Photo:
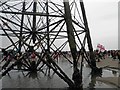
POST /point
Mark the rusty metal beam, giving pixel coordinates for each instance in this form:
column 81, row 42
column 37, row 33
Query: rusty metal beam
column 89, row 41
column 70, row 33
column 21, row 29
column 34, row 22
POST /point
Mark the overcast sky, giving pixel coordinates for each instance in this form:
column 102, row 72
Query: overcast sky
column 103, row 22
column 102, row 16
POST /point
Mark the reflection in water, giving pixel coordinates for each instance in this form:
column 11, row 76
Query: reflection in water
column 51, row 80
column 92, row 84
column 32, row 75
column 114, row 73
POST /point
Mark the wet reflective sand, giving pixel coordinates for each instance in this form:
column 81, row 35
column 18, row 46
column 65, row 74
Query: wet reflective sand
column 18, row 79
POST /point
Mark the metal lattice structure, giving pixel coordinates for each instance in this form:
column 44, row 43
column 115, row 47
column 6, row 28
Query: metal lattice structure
column 46, row 27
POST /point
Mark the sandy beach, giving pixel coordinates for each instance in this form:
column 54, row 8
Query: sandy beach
column 111, row 64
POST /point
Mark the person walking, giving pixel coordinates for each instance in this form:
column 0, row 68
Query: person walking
column 118, row 55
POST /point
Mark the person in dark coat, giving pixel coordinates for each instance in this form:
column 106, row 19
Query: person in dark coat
column 118, row 55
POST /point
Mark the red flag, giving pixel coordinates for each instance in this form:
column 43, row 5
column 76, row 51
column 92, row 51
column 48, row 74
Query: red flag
column 101, row 47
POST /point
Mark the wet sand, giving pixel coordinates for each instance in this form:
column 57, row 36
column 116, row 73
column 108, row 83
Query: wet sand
column 111, row 64
column 108, row 80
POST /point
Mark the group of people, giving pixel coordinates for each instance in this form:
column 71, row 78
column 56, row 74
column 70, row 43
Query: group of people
column 114, row 54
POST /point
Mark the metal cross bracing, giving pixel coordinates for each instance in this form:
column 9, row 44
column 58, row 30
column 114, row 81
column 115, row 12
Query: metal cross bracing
column 44, row 28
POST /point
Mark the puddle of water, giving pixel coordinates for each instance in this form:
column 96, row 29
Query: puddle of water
column 18, row 80
column 91, row 81
column 110, row 73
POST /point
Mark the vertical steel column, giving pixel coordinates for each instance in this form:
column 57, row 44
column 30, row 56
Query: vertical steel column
column 71, row 37
column 48, row 37
column 77, row 78
column 92, row 57
column 21, row 28
column 47, row 21
column 34, row 22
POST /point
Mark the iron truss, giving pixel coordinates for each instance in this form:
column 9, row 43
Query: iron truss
column 45, row 27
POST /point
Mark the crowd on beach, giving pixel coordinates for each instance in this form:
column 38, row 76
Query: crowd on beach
column 99, row 55
column 114, row 54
